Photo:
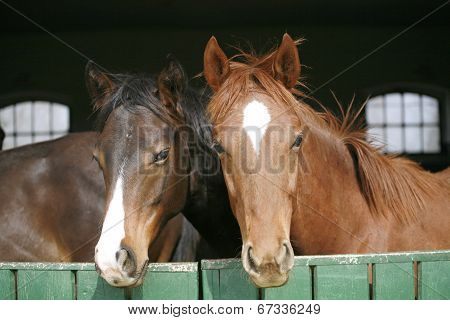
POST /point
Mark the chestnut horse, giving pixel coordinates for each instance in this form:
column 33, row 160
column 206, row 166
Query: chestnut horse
column 154, row 152
column 52, row 203
column 301, row 181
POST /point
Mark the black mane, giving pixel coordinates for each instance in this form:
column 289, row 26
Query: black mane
column 133, row 90
column 129, row 90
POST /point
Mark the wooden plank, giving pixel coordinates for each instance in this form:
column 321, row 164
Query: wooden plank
column 397, row 257
column 168, row 286
column 226, row 279
column 210, row 284
column 218, row 264
column 169, row 281
column 46, row 266
column 236, row 285
column 325, row 260
column 434, row 280
column 7, row 285
column 341, row 282
column 393, row 281
column 45, row 285
column 90, row 286
column 298, row 287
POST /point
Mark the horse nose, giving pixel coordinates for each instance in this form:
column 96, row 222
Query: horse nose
column 249, row 260
column 280, row 262
column 126, row 260
column 285, row 259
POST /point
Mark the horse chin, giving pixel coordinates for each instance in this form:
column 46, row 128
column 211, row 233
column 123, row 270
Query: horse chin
column 270, row 280
column 127, row 281
column 121, row 283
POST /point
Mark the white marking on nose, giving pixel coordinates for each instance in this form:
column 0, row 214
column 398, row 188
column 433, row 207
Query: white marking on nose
column 256, row 119
column 113, row 230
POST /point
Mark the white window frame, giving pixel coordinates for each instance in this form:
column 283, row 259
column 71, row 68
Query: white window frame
column 16, row 136
column 398, row 127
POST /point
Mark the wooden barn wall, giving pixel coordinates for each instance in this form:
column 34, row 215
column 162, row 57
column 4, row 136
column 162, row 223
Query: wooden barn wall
column 35, row 62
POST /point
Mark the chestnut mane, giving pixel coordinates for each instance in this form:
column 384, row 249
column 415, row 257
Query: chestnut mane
column 391, row 185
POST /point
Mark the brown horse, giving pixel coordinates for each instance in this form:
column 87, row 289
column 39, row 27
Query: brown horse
column 303, row 182
column 52, row 203
column 153, row 149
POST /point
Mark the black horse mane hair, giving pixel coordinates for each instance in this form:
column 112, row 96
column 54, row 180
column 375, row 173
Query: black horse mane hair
column 131, row 90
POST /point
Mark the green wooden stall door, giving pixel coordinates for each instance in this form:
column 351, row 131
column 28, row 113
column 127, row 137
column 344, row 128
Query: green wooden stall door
column 45, row 285
column 90, row 286
column 7, row 285
column 341, row 282
column 226, row 280
column 434, row 280
column 174, row 281
column 393, row 281
column 299, row 286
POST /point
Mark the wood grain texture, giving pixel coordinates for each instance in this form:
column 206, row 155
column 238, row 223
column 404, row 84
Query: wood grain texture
column 298, row 287
column 393, row 281
column 434, row 280
column 160, row 285
column 333, row 277
column 7, row 285
column 341, row 282
column 45, row 285
column 90, row 286
column 226, row 280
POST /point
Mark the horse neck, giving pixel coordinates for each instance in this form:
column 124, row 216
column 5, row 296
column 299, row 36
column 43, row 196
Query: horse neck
column 329, row 198
column 207, row 207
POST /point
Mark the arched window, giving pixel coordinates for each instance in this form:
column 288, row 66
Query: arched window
column 33, row 121
column 405, row 122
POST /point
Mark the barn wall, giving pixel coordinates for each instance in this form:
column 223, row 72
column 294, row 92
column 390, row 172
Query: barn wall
column 35, row 62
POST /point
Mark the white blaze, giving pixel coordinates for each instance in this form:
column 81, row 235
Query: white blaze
column 256, row 120
column 113, row 230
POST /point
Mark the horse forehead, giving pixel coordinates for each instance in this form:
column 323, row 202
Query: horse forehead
column 261, row 118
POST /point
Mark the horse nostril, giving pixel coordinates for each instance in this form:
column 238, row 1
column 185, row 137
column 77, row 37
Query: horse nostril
column 286, row 261
column 251, row 263
column 125, row 259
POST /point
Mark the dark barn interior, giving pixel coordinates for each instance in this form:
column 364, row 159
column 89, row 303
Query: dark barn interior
column 356, row 48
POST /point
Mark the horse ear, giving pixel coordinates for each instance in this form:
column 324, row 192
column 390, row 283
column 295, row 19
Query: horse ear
column 286, row 64
column 215, row 64
column 97, row 82
column 172, row 82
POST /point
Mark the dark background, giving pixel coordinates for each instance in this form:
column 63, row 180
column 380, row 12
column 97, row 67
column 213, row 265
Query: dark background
column 136, row 36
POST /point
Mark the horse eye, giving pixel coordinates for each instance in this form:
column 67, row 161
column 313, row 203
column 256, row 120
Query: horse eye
column 218, row 148
column 298, row 141
column 162, row 156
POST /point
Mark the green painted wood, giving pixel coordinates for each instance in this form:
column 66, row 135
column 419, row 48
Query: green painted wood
column 169, row 281
column 434, row 280
column 90, row 286
column 341, row 282
column 210, row 284
column 397, row 257
column 45, row 285
column 168, row 286
column 298, row 287
column 236, row 285
column 393, row 281
column 335, row 277
column 72, row 266
column 225, row 280
column 7, row 285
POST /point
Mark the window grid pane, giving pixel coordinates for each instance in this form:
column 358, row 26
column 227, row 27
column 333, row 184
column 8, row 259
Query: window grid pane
column 410, row 122
column 33, row 121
